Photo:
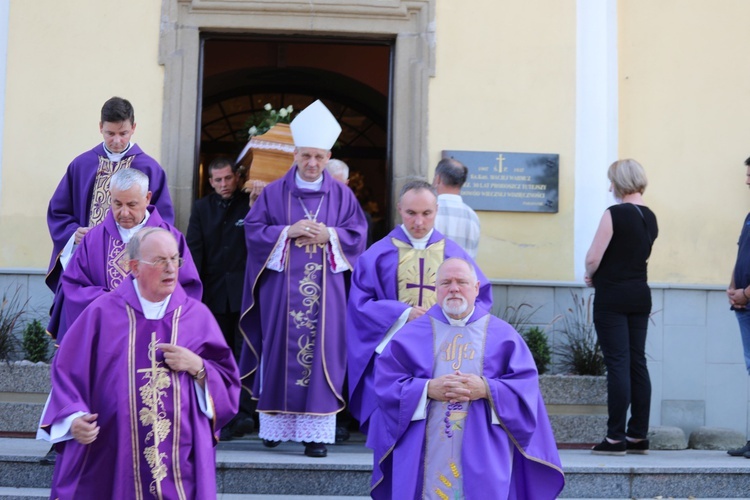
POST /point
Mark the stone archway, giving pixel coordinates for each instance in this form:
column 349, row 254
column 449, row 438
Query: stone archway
column 410, row 23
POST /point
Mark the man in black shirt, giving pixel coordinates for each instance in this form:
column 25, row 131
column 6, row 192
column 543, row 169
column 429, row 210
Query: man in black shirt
column 216, row 238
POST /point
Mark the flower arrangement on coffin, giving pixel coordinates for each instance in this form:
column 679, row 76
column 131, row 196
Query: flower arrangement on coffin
column 270, row 151
column 261, row 122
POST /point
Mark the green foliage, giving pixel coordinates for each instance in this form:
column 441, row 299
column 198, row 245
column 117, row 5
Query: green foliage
column 580, row 352
column 261, row 122
column 519, row 317
column 538, row 344
column 36, row 343
column 11, row 309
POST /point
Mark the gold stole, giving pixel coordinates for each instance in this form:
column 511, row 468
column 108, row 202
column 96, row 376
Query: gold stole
column 100, row 199
column 417, row 271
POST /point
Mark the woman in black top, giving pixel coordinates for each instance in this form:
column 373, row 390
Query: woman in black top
column 616, row 265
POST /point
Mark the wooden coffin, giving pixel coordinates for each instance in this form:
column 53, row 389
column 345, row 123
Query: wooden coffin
column 269, row 155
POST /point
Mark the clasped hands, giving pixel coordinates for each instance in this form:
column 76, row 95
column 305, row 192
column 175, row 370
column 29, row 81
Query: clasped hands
column 737, row 298
column 456, row 388
column 309, row 232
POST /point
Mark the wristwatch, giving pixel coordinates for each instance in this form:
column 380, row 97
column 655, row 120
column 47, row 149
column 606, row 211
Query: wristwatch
column 201, row 374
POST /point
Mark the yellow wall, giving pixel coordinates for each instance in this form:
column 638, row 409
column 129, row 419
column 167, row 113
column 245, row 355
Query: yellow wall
column 505, row 81
column 684, row 113
column 64, row 60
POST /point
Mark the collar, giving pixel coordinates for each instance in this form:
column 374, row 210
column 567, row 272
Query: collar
column 151, row 310
column 116, row 156
column 421, row 243
column 450, row 197
column 459, row 322
column 303, row 184
column 127, row 234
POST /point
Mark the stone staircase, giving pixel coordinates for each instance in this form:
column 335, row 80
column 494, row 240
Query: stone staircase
column 247, row 470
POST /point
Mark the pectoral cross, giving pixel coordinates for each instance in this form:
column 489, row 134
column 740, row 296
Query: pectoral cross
column 421, row 285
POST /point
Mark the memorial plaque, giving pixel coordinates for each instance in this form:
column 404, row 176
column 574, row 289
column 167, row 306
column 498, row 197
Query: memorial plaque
column 510, row 182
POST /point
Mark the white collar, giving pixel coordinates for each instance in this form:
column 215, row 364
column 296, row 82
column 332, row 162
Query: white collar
column 459, row 322
column 152, row 310
column 116, row 156
column 126, row 234
column 303, row 184
column 450, row 197
column 421, row 243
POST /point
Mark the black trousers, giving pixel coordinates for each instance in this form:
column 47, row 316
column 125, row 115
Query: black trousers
column 230, row 327
column 622, row 337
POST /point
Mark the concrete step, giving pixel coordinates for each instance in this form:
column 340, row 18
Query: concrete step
column 247, row 470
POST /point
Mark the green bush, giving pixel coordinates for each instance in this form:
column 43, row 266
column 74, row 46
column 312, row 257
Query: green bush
column 11, row 309
column 538, row 344
column 579, row 352
column 36, row 343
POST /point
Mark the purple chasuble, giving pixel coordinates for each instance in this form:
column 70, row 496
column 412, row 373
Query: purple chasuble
column 100, row 264
column 516, row 459
column 374, row 307
column 153, row 438
column 293, row 321
column 76, row 197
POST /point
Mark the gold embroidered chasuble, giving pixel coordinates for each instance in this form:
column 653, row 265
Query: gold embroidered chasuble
column 100, row 197
column 417, row 272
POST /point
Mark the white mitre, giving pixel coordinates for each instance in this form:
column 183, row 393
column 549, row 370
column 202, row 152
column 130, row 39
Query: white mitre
column 315, row 127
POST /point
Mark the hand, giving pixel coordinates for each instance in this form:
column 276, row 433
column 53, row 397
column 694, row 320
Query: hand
column 475, row 384
column 315, row 233
column 181, row 359
column 415, row 313
column 80, row 233
column 737, row 298
column 255, row 190
column 448, row 387
column 85, row 429
column 587, row 279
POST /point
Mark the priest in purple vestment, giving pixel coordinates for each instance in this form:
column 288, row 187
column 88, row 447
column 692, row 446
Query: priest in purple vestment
column 100, row 263
column 141, row 387
column 394, row 283
column 461, row 409
column 81, row 200
column 302, row 233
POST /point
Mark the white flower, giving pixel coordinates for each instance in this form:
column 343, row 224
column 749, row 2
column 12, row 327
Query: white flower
column 283, row 112
column 268, row 106
column 253, row 130
column 289, row 109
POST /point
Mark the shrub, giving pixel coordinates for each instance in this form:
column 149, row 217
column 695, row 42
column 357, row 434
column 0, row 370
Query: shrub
column 538, row 344
column 11, row 309
column 580, row 353
column 36, row 342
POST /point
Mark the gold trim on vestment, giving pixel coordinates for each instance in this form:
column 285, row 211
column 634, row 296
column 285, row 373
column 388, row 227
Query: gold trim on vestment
column 177, row 401
column 417, row 272
column 132, row 401
column 101, row 198
column 307, row 320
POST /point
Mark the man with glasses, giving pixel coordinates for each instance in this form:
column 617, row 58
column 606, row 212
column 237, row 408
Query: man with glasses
column 99, row 264
column 141, row 387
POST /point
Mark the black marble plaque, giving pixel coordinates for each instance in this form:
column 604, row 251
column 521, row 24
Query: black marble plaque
column 510, row 182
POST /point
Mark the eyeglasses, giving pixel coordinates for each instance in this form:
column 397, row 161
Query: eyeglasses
column 164, row 263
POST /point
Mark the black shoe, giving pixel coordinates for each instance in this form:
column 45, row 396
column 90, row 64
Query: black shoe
column 342, row 434
column 316, row 450
column 740, row 452
column 270, row 444
column 245, row 425
column 50, row 457
column 637, row 447
column 607, row 448
column 226, row 433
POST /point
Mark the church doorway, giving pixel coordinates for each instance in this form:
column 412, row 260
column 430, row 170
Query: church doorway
column 241, row 74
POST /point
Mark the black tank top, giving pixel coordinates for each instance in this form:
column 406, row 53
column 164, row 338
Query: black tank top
column 621, row 280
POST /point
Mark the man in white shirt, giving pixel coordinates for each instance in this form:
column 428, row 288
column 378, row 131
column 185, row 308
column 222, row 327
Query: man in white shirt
column 455, row 219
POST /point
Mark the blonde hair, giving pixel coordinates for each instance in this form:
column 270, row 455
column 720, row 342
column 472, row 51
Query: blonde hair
column 627, row 177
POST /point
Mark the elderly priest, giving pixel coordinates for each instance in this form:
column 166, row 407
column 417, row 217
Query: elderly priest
column 459, row 396
column 141, row 387
column 304, row 231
